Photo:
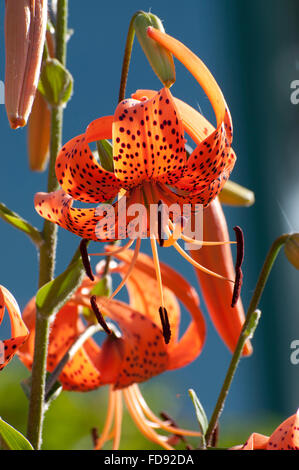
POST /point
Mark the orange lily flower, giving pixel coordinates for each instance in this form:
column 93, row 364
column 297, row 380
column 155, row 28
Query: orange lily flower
column 150, row 163
column 285, row 437
column 133, row 353
column 217, row 295
column 19, row 332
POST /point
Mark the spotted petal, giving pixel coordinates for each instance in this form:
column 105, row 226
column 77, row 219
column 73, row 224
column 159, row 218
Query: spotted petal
column 184, row 350
column 104, row 223
column 144, row 349
column 78, row 171
column 19, row 332
column 148, row 140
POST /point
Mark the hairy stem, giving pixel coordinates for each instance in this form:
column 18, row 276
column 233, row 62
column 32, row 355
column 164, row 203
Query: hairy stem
column 47, row 254
column 247, row 332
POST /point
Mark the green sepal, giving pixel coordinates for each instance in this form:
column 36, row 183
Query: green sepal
column 160, row 59
column 55, row 83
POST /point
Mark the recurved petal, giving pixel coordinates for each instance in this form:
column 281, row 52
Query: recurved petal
column 197, row 68
column 217, row 293
column 106, row 222
column 145, row 298
column 19, row 332
column 212, row 154
column 144, row 349
column 286, row 436
column 79, row 173
column 184, row 350
column 255, row 441
column 81, row 372
column 148, row 140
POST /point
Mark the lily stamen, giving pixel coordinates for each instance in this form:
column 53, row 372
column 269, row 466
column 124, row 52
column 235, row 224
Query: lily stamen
column 85, row 259
column 117, row 251
column 165, row 324
column 238, row 265
column 99, row 315
column 130, row 269
column 199, row 266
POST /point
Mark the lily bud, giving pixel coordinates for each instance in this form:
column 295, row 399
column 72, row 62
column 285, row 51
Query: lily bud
column 234, row 194
column 291, row 249
column 25, row 29
column 39, row 124
column 159, row 58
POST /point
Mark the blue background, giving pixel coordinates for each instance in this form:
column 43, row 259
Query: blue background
column 252, row 50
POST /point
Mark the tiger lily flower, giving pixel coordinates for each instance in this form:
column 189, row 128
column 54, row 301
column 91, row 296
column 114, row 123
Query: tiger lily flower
column 217, row 295
column 134, row 353
column 150, row 164
column 285, row 437
column 19, row 332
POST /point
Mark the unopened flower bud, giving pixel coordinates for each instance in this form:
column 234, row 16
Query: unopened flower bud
column 234, row 194
column 291, row 249
column 160, row 59
column 25, row 29
column 39, row 124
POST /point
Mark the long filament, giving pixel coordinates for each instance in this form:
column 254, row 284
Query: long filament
column 199, row 266
column 130, row 269
column 109, row 419
column 162, row 424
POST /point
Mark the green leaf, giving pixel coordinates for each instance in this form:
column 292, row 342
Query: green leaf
column 56, row 83
column 18, row 222
column 52, row 296
column 103, row 287
column 105, row 152
column 13, row 438
column 200, row 412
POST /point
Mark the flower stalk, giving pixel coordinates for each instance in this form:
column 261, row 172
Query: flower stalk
column 247, row 332
column 47, row 253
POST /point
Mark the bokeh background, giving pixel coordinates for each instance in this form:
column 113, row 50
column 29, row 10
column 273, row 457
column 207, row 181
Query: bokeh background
column 252, row 50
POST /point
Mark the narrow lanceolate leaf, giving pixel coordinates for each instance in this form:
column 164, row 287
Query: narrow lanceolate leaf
column 200, row 412
column 13, row 438
column 53, row 295
column 18, row 222
column 56, row 83
column 105, row 152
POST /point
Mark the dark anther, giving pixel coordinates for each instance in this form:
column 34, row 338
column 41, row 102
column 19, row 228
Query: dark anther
column 238, row 266
column 94, row 436
column 85, row 259
column 98, row 315
column 165, row 324
column 160, row 234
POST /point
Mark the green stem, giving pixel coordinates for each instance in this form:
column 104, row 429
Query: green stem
column 247, row 331
column 127, row 59
column 122, row 91
column 47, row 255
